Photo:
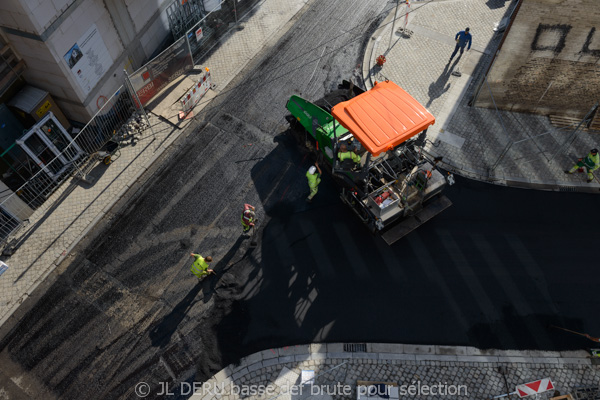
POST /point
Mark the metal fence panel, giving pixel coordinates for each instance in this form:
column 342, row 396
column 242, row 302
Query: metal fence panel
column 114, row 114
column 161, row 70
column 205, row 34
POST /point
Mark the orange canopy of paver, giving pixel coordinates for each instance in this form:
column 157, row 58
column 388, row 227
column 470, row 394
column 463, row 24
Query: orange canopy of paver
column 383, row 117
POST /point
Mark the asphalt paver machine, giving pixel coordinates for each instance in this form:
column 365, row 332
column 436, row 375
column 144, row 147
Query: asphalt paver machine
column 390, row 182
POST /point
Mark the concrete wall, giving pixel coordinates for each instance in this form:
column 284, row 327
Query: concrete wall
column 549, row 62
column 43, row 31
column 16, row 14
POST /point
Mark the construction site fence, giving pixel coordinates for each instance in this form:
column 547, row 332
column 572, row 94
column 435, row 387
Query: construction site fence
column 189, row 50
column 206, row 33
column 35, row 194
column 138, row 91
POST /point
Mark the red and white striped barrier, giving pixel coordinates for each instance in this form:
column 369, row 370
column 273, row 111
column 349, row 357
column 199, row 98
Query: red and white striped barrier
column 536, row 387
column 195, row 94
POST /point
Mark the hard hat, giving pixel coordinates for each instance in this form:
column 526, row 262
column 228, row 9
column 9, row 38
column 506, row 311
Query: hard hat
column 312, row 170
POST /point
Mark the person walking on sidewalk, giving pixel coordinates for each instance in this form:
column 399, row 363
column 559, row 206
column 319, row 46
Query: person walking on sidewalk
column 591, row 163
column 463, row 38
column 313, row 181
column 248, row 217
column 200, row 266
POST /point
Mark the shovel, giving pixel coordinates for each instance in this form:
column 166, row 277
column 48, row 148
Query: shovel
column 253, row 243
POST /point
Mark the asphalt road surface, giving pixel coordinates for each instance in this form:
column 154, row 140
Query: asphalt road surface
column 494, row 270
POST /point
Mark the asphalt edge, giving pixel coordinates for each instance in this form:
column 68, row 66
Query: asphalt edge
column 387, row 351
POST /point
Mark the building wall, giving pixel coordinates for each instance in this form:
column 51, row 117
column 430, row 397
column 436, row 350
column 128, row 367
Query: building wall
column 549, row 62
column 44, row 31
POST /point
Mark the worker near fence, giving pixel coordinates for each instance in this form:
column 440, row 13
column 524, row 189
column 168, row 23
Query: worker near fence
column 313, row 180
column 248, row 217
column 200, row 266
column 591, row 163
column 344, row 154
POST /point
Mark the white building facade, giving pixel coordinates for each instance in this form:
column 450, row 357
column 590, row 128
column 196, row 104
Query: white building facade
column 77, row 49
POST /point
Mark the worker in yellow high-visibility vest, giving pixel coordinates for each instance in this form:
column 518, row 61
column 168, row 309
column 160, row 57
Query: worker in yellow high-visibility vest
column 200, row 266
column 313, row 181
column 591, row 163
column 345, row 154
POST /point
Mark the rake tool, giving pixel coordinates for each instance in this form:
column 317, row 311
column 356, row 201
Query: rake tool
column 594, row 339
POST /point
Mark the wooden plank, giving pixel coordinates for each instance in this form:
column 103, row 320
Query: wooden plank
column 562, row 121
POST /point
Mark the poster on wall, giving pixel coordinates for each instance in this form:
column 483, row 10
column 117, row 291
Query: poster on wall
column 88, row 59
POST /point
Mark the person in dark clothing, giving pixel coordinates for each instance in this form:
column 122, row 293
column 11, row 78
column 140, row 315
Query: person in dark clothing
column 463, row 39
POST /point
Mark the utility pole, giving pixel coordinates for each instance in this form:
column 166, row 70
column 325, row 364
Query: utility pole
column 394, row 23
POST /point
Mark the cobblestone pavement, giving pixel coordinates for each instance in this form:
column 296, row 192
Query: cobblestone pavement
column 455, row 372
column 507, row 148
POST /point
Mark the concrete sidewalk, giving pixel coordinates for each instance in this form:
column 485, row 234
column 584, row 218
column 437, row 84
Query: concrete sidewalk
column 462, row 372
column 76, row 208
column 475, row 142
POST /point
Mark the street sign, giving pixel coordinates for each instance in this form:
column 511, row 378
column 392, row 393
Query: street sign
column 536, row 387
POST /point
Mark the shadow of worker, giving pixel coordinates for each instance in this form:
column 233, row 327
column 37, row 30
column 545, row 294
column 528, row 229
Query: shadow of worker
column 221, row 279
column 161, row 334
column 441, row 85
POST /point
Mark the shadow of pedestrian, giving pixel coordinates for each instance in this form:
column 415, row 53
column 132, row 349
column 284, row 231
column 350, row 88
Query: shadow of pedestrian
column 493, row 4
column 441, row 85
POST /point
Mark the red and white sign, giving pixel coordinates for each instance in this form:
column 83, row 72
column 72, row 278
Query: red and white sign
column 536, row 387
column 196, row 93
column 199, row 34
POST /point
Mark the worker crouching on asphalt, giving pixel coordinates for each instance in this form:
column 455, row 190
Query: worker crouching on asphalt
column 591, row 163
column 200, row 266
column 344, row 154
column 313, row 181
column 248, row 217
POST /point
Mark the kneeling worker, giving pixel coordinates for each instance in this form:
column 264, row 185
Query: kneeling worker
column 591, row 163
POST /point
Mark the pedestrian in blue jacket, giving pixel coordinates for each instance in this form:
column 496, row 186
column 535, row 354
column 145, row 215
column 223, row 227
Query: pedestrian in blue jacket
column 462, row 39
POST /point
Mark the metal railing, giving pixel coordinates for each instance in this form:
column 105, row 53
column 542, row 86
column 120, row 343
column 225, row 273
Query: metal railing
column 78, row 153
column 119, row 113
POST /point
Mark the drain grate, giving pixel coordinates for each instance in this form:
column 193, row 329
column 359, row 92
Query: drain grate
column 355, row 347
column 566, row 189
